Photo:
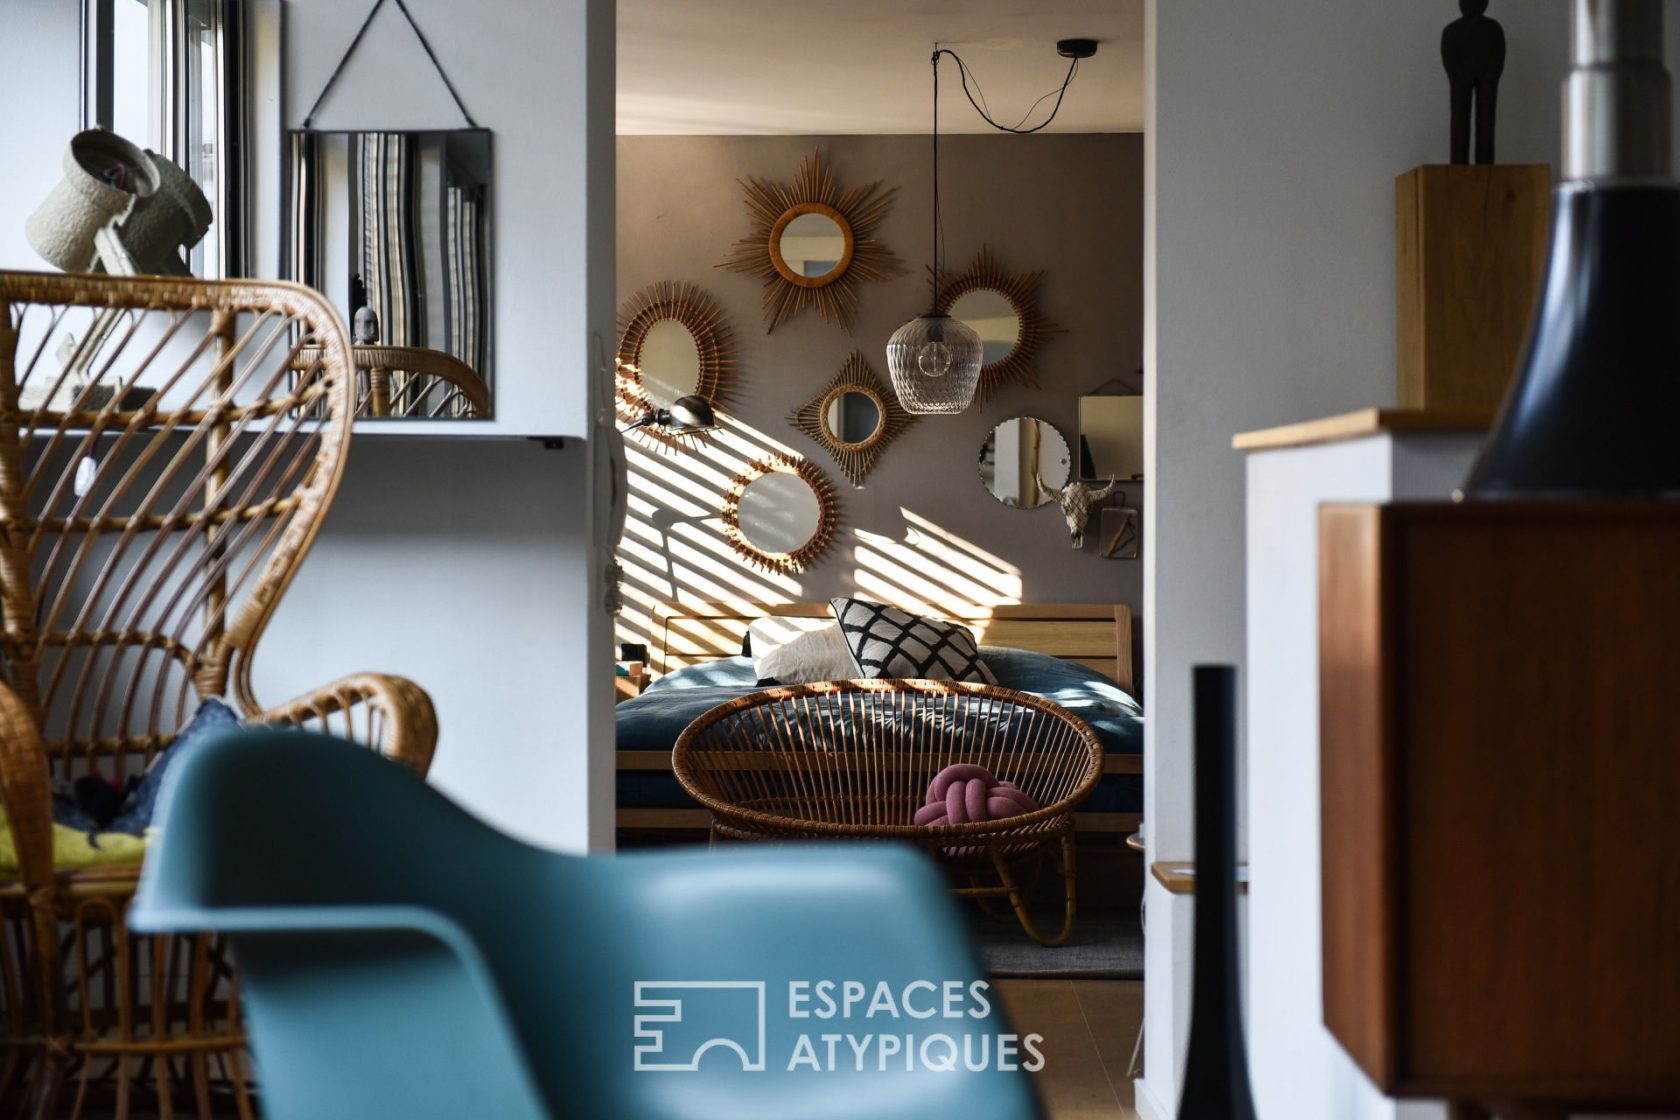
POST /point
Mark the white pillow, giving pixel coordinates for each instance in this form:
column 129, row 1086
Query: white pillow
column 800, row 650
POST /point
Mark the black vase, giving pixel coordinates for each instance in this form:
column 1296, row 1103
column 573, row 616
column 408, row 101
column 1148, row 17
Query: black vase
column 1216, row 1070
column 1594, row 409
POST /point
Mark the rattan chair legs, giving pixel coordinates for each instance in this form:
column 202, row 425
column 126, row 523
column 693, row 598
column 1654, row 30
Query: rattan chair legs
column 1018, row 898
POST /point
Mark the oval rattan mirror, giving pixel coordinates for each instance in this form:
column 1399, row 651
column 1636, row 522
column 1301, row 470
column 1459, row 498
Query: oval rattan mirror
column 854, row 417
column 1021, row 458
column 812, row 243
column 673, row 341
column 779, row 514
column 669, row 363
column 1003, row 308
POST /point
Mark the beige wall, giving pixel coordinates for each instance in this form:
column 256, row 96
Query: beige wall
column 923, row 530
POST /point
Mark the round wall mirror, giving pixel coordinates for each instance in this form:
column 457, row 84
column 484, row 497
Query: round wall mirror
column 1018, row 455
column 779, row 514
column 811, row 245
column 852, row 416
column 806, row 235
column 993, row 318
column 669, row 363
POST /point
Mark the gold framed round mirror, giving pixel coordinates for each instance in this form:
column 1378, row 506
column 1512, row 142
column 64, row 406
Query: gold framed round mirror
column 854, row 417
column 811, row 245
column 1002, row 307
column 1023, row 461
column 673, row 341
column 994, row 318
column 779, row 514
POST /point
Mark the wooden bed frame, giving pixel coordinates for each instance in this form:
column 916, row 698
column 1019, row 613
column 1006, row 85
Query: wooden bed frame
column 1097, row 635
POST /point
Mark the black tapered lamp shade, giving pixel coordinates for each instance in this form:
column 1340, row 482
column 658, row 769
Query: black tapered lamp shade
column 1216, row 1068
column 1595, row 408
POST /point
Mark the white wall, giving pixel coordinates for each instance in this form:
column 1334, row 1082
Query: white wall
column 39, row 56
column 467, row 564
column 1276, row 131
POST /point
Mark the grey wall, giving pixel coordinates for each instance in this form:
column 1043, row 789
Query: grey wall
column 923, row 530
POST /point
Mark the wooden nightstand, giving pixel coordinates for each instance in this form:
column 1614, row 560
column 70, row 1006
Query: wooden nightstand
column 629, row 687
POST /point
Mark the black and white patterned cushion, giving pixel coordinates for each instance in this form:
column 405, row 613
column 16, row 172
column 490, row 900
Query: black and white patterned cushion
column 887, row 642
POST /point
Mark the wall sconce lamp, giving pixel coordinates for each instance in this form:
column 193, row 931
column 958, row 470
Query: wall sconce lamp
column 686, row 416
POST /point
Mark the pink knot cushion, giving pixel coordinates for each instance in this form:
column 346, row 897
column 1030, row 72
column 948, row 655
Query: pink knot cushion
column 964, row 793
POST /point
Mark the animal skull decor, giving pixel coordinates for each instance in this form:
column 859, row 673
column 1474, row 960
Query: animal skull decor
column 1076, row 500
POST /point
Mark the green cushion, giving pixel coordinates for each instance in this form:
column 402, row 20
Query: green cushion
column 74, row 849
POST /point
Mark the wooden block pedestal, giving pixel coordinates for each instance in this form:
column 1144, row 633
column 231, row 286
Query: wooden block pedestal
column 1472, row 251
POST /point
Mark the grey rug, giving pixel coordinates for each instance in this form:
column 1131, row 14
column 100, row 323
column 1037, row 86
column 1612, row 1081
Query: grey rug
column 1104, row 947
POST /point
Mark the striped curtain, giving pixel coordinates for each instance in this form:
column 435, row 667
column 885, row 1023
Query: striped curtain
column 385, row 252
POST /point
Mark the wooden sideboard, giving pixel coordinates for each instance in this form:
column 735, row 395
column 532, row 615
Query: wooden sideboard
column 1500, row 775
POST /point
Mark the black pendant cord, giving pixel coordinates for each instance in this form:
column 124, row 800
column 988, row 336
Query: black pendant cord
column 309, row 119
column 979, row 106
column 938, row 228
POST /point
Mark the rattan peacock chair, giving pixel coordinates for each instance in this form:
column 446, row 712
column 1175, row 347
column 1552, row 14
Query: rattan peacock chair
column 412, row 383
column 856, row 758
column 163, row 471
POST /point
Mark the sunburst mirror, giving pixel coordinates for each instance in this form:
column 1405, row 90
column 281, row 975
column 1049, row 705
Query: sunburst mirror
column 673, row 341
column 813, row 244
column 854, row 417
column 1002, row 307
column 779, row 514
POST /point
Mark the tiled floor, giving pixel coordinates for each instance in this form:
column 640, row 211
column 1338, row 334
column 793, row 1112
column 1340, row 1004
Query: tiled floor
column 1089, row 1027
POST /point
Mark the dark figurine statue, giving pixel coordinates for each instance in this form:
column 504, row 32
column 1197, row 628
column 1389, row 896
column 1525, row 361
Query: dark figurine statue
column 1473, row 51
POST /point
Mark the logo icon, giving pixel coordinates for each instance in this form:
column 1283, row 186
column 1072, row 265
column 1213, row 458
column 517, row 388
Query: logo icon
column 679, row 1021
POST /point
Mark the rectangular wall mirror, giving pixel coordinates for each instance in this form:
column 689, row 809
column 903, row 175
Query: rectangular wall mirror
column 1110, row 438
column 394, row 229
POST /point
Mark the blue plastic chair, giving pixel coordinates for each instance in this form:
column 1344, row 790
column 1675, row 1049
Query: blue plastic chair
column 399, row 958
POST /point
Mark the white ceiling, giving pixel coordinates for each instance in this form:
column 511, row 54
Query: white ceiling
column 801, row 67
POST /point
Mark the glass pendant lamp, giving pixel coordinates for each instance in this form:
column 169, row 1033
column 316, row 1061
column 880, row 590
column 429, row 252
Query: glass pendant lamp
column 934, row 359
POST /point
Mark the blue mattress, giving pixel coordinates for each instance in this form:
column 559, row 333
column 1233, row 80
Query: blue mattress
column 654, row 720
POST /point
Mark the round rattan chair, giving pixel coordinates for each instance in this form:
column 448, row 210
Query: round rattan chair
column 855, row 759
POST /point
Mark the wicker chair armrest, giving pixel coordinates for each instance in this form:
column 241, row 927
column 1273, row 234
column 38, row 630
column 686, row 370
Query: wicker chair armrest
column 391, row 714
column 26, row 790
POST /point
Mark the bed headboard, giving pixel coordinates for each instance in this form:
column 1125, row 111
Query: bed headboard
column 1098, row 635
